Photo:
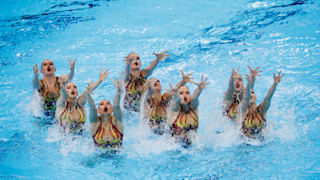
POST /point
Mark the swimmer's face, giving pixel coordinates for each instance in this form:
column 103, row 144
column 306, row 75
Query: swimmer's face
column 253, row 97
column 184, row 95
column 47, row 67
column 72, row 90
column 135, row 62
column 237, row 82
column 105, row 107
column 155, row 84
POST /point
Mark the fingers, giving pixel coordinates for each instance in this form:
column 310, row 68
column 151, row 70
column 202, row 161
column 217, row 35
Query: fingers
column 106, row 72
column 114, row 82
column 250, row 68
column 188, row 75
column 69, row 60
column 247, row 77
column 182, row 74
column 164, row 52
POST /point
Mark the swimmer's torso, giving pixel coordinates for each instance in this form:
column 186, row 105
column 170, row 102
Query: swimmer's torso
column 50, row 93
column 134, row 90
column 73, row 117
column 253, row 122
column 158, row 111
column 107, row 134
column 232, row 108
column 184, row 122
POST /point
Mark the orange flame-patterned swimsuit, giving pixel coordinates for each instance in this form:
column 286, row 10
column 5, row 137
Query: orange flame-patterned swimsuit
column 112, row 130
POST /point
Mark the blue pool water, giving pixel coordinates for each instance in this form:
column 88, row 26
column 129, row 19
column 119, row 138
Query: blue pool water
column 203, row 37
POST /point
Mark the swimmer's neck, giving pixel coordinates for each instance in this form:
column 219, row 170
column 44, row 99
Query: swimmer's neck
column 185, row 107
column 238, row 91
column 71, row 101
column 252, row 106
column 106, row 117
column 48, row 77
column 135, row 72
column 156, row 94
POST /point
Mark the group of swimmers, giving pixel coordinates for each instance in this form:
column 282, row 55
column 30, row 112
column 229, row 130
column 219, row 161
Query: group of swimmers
column 174, row 112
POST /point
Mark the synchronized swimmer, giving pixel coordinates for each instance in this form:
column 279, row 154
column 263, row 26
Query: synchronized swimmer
column 175, row 112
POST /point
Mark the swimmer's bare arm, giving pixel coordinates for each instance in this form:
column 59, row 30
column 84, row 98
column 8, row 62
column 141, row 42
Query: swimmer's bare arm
column 93, row 110
column 161, row 56
column 61, row 102
column 185, row 79
column 247, row 94
column 92, row 86
column 229, row 94
column 68, row 77
column 195, row 97
column 127, row 70
column 176, row 100
column 267, row 100
column 254, row 73
column 116, row 102
column 35, row 81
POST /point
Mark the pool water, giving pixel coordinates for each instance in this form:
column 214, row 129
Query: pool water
column 204, row 37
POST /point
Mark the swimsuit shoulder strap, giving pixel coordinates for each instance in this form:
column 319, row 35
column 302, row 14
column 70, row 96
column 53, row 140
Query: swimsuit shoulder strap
column 99, row 127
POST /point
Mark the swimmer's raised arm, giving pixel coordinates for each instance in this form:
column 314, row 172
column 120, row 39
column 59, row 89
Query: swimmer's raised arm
column 127, row 70
column 116, row 102
column 63, row 98
column 92, row 86
column 229, row 93
column 195, row 97
column 69, row 76
column 254, row 73
column 148, row 70
column 35, row 81
column 267, row 100
column 247, row 94
column 93, row 110
column 176, row 100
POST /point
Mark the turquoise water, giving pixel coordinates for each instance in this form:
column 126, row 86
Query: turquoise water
column 207, row 37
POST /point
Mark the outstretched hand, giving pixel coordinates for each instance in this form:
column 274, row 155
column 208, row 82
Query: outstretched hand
column 234, row 72
column 172, row 90
column 72, row 63
column 277, row 78
column 161, row 56
column 35, row 70
column 254, row 72
column 103, row 75
column 249, row 78
column 117, row 84
column 90, row 87
column 202, row 84
column 186, row 77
